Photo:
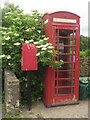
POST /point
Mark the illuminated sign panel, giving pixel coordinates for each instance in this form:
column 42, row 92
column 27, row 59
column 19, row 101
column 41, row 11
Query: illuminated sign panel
column 64, row 20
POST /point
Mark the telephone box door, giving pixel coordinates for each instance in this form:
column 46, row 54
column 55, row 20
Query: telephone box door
column 66, row 78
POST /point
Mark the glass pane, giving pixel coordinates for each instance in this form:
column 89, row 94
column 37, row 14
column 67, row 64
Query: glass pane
column 74, row 50
column 73, row 74
column 55, row 82
column 65, row 58
column 71, row 34
column 65, row 49
column 64, row 90
column 64, row 82
column 73, row 90
column 74, row 41
column 56, row 41
column 65, row 74
column 56, row 32
column 55, row 74
column 74, row 58
column 61, row 41
column 56, row 48
column 55, row 91
column 65, row 33
column 74, row 33
column 67, row 66
column 74, row 66
column 65, row 41
column 73, row 81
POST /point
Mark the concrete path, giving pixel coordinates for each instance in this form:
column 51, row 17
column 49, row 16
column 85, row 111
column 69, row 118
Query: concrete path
column 71, row 111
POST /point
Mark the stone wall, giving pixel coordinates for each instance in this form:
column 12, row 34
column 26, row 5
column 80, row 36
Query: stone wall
column 84, row 66
column 12, row 92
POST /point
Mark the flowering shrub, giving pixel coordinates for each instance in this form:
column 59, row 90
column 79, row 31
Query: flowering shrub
column 21, row 28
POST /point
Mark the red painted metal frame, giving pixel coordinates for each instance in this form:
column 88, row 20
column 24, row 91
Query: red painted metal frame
column 49, row 96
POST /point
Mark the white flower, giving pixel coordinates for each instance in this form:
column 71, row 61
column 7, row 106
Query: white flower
column 4, row 33
column 36, row 19
column 44, row 48
column 50, row 47
column 17, row 43
column 5, row 28
column 38, row 46
column 17, row 18
column 37, row 54
column 3, row 43
column 27, row 30
column 19, row 14
column 7, row 38
column 1, row 32
column 9, row 32
column 31, row 40
column 9, row 63
column 36, row 43
column 16, row 34
column 26, row 41
column 8, row 56
column 50, row 51
column 45, row 45
column 8, row 13
column 46, row 38
column 60, row 66
column 42, row 45
column 1, row 56
column 5, row 16
column 49, row 43
column 40, row 40
column 39, row 31
column 33, row 28
column 22, row 39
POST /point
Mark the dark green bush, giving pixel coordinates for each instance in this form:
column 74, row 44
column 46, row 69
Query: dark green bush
column 85, row 53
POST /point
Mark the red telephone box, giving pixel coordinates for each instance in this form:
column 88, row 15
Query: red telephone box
column 62, row 84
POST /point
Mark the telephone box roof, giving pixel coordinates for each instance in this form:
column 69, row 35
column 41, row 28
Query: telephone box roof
column 61, row 12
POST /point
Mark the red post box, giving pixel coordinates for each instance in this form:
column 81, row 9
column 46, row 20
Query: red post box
column 62, row 84
column 29, row 62
column 29, row 59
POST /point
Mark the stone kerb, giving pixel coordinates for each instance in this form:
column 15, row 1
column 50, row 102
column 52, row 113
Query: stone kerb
column 12, row 92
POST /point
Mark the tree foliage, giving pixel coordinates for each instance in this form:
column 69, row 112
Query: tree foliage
column 18, row 28
column 84, row 46
column 83, row 43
